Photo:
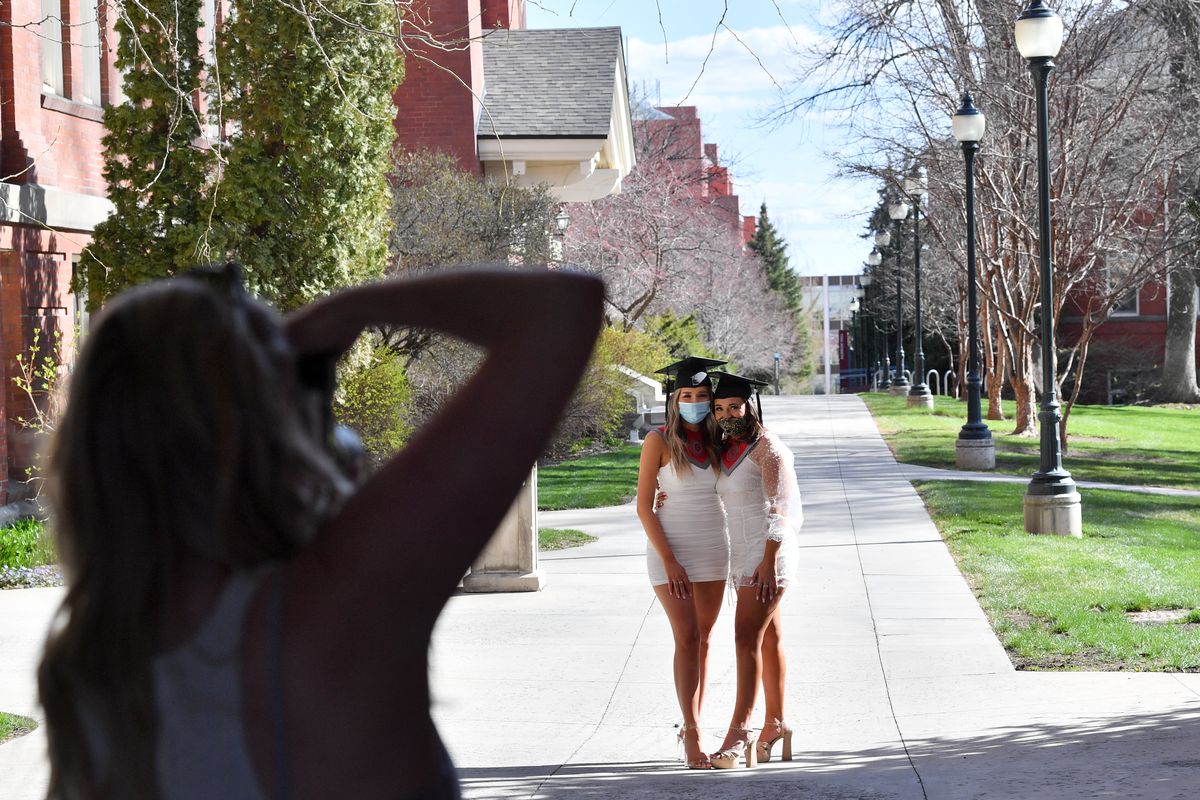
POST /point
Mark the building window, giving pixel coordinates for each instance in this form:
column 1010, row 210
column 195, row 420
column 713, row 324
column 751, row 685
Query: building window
column 89, row 42
column 1127, row 306
column 52, row 47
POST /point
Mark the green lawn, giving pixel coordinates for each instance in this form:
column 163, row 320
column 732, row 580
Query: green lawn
column 1111, row 444
column 1057, row 602
column 606, row 479
column 562, row 538
column 12, row 726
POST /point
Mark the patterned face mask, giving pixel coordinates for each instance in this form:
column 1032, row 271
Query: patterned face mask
column 735, row 426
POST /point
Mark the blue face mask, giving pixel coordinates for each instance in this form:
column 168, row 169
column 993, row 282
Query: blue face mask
column 694, row 412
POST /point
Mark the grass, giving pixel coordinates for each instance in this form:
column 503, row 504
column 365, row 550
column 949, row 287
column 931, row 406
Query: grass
column 562, row 538
column 605, row 479
column 12, row 726
column 25, row 543
column 1138, row 445
column 1061, row 603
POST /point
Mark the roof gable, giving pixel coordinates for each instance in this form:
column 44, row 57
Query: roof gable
column 549, row 83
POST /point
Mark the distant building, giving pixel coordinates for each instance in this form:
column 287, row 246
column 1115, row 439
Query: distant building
column 674, row 132
column 842, row 290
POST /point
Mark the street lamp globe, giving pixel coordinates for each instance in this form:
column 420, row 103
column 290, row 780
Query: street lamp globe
column 898, row 210
column 874, row 259
column 968, row 122
column 854, row 305
column 867, row 278
column 1039, row 31
column 562, row 219
column 917, row 184
column 883, row 238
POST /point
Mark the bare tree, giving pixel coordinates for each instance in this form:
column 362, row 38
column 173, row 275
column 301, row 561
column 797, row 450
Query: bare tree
column 895, row 70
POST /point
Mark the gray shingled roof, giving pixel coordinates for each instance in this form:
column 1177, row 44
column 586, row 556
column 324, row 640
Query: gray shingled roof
column 549, row 83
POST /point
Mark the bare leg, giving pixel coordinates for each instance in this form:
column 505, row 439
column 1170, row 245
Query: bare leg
column 707, row 597
column 685, row 628
column 774, row 675
column 749, row 627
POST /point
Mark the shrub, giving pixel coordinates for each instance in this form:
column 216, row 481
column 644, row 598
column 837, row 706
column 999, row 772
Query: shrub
column 373, row 398
column 596, row 410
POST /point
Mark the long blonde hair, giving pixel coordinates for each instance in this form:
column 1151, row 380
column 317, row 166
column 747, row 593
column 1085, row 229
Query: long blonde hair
column 182, row 440
column 675, row 435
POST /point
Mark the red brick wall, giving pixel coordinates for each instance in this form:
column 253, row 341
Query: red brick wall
column 508, row 14
column 435, row 109
column 47, row 140
column 749, row 228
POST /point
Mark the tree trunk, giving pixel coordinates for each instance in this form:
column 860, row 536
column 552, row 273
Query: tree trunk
column 1023, row 388
column 1179, row 365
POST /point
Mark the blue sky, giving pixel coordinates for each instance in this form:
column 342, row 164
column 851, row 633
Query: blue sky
column 820, row 217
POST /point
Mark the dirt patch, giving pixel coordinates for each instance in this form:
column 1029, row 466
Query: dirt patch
column 1090, row 660
column 1021, row 619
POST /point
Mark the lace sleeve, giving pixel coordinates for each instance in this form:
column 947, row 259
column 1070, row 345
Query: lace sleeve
column 780, row 490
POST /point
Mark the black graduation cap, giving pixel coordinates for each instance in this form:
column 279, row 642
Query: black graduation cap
column 731, row 385
column 691, row 371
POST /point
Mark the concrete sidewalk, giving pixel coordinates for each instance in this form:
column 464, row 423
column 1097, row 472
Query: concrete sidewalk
column 897, row 687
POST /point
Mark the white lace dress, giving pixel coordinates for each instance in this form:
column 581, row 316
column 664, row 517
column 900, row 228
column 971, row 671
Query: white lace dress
column 758, row 488
column 694, row 525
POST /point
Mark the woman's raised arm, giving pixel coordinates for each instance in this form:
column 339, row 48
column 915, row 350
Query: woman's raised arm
column 410, row 532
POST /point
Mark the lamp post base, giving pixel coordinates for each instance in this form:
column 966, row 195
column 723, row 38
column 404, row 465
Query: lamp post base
column 975, row 455
column 919, row 399
column 1054, row 514
column 504, row 581
column 898, row 389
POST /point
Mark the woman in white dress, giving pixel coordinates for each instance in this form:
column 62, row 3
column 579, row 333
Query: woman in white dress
column 758, row 488
column 687, row 552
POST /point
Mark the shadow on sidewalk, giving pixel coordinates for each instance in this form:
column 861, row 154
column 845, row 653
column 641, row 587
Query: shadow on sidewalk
column 1155, row 756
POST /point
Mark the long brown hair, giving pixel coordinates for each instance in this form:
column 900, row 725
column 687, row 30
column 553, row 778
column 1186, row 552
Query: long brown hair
column 675, row 435
column 181, row 442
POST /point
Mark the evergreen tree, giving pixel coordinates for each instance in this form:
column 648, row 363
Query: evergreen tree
column 770, row 247
column 304, row 200
column 154, row 172
column 300, row 196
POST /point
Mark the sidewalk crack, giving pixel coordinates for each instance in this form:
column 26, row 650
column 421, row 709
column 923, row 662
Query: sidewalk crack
column 607, row 705
column 870, row 607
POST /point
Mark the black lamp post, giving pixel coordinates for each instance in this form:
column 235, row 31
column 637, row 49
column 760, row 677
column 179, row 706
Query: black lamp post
column 916, row 187
column 853, row 349
column 874, row 260
column 974, row 448
column 1052, row 502
column 898, row 211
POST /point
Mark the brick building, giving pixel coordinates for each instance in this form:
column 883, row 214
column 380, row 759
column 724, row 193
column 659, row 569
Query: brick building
column 554, row 103
column 1126, row 352
column 674, row 132
column 55, row 79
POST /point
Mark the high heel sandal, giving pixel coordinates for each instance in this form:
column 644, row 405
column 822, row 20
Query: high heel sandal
column 703, row 761
column 743, row 750
column 764, row 746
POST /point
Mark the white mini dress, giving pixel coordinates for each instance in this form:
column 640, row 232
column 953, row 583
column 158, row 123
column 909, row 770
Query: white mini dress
column 694, row 525
column 761, row 497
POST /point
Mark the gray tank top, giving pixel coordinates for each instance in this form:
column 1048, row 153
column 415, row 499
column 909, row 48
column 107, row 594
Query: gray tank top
column 202, row 750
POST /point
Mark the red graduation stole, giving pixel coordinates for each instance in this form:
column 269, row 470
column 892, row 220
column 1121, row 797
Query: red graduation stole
column 694, row 447
column 735, row 454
